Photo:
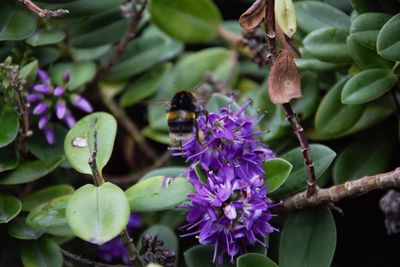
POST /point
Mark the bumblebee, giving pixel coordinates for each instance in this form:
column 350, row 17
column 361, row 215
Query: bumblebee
column 181, row 116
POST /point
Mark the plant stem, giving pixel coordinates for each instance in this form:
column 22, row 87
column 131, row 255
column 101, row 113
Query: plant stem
column 43, row 13
column 130, row 245
column 290, row 115
column 338, row 192
column 86, row 261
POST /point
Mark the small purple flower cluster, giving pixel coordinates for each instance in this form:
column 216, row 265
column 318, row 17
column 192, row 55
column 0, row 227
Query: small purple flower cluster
column 48, row 99
column 229, row 209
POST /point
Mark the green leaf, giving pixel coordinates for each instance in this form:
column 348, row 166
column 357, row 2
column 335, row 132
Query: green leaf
column 31, row 170
column 368, row 85
column 45, row 37
column 365, row 57
column 41, row 253
column 309, row 62
column 200, row 172
column 358, row 159
column 158, row 193
column 9, row 208
column 92, row 211
column 29, row 71
column 9, row 122
column 276, row 172
column 164, row 233
column 81, row 73
column 333, row 117
column 158, row 136
column 79, row 143
column 145, row 86
column 308, row 239
column 388, row 42
column 45, row 195
column 328, row 44
column 20, row 230
column 365, row 28
column 92, row 53
column 16, row 21
column 218, row 101
column 285, row 15
column 167, row 171
column 306, row 106
column 322, row 157
column 186, row 20
column 46, row 55
column 313, row 15
column 140, row 55
column 201, row 256
column 254, row 259
column 8, row 158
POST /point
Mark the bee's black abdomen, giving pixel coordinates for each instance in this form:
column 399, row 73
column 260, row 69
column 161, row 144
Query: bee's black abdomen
column 181, row 125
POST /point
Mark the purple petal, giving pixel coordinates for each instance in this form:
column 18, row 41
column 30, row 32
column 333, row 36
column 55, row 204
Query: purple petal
column 41, row 108
column 59, row 91
column 43, row 75
column 41, row 88
column 70, row 120
column 50, row 136
column 82, row 104
column 43, row 121
column 33, row 97
column 61, row 109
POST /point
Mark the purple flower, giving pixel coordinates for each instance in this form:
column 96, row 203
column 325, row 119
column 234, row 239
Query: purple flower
column 114, row 249
column 230, row 209
column 54, row 100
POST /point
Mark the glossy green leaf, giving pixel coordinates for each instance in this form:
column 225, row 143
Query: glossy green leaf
column 16, row 21
column 167, row 171
column 367, row 86
column 145, row 86
column 31, row 170
column 8, row 158
column 218, row 101
column 201, row 256
column 333, row 117
column 276, row 170
column 186, row 20
column 158, row 193
column 92, row 211
column 322, row 157
column 45, row 37
column 358, row 159
column 81, row 73
column 254, row 259
column 328, row 44
column 156, row 135
column 45, row 195
column 164, row 233
column 79, row 141
column 9, row 208
column 29, row 71
column 200, row 172
column 308, row 239
column 388, row 42
column 41, row 253
column 285, row 15
column 365, row 57
column 104, row 28
column 9, row 122
column 140, row 55
column 92, row 53
column 20, row 230
column 313, row 15
column 46, row 55
column 309, row 62
column 306, row 106
column 365, row 28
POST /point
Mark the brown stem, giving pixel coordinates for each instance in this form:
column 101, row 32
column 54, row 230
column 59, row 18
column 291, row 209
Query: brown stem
column 123, row 43
column 338, row 192
column 43, row 13
column 88, row 262
column 290, row 116
column 128, row 242
column 97, row 177
column 129, row 125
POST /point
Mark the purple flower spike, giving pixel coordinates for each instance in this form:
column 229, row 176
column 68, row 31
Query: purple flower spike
column 41, row 108
column 82, row 104
column 41, row 88
column 43, row 121
column 61, row 109
column 33, row 98
column 70, row 120
column 59, row 91
column 50, row 136
column 44, row 77
column 67, row 76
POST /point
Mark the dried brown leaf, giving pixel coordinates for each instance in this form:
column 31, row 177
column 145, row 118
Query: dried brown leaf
column 253, row 16
column 286, row 42
column 284, row 79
